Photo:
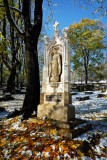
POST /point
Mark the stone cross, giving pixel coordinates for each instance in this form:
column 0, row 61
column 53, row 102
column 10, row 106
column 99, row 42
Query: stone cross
column 56, row 24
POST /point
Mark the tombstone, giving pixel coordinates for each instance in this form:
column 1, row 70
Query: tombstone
column 83, row 98
column 55, row 94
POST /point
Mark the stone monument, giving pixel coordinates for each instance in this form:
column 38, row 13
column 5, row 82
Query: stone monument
column 55, row 94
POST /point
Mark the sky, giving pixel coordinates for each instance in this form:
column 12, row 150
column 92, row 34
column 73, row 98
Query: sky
column 66, row 13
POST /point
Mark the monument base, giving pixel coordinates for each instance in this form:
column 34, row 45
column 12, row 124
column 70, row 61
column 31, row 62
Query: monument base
column 56, row 112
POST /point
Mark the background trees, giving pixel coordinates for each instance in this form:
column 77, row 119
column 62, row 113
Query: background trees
column 31, row 18
column 11, row 46
column 86, row 41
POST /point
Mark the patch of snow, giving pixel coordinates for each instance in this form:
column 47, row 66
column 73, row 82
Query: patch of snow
column 38, row 144
column 66, row 155
column 86, row 158
column 16, row 126
column 58, row 157
column 53, row 147
column 46, row 154
column 38, row 155
column 29, row 152
column 103, row 142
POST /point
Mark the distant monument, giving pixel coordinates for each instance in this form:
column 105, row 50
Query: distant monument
column 55, row 94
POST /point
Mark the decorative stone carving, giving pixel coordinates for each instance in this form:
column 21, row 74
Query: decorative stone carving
column 55, row 67
column 46, row 39
column 65, row 32
column 55, row 93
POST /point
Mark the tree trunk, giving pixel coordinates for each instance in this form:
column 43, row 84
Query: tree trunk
column 86, row 70
column 86, row 61
column 10, row 82
column 32, row 96
column 4, row 34
column 1, row 72
column 11, row 79
column 86, row 75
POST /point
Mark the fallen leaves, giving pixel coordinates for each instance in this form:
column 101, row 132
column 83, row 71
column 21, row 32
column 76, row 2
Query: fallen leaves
column 39, row 139
column 3, row 142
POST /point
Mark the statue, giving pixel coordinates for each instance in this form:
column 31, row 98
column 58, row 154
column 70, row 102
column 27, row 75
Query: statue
column 55, row 68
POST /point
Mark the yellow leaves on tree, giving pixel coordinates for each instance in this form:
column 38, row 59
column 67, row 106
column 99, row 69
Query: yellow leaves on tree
column 86, row 39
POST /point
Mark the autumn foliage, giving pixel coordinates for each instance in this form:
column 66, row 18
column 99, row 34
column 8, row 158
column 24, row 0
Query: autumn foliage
column 38, row 139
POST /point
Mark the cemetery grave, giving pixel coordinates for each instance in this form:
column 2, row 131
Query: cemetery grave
column 50, row 133
column 65, row 127
column 53, row 91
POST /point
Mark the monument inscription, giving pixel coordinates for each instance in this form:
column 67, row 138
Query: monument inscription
column 54, row 98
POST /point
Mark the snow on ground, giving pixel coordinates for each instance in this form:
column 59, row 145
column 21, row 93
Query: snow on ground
column 94, row 110
column 90, row 108
column 13, row 104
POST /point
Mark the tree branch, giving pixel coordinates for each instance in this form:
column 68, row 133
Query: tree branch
column 6, row 63
column 27, row 14
column 3, row 19
column 37, row 18
column 13, row 8
column 11, row 20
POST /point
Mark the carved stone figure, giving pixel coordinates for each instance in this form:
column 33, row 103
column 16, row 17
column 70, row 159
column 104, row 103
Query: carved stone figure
column 55, row 68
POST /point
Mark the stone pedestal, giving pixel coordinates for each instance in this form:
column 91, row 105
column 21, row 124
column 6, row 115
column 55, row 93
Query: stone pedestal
column 57, row 112
column 55, row 95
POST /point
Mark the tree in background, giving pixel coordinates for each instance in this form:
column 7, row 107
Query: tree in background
column 30, row 34
column 86, row 41
column 96, row 73
column 105, row 71
column 10, row 47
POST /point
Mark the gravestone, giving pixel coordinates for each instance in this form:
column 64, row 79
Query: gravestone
column 55, row 94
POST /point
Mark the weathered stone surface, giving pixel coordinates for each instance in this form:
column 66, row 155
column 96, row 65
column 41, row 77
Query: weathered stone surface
column 81, row 129
column 102, row 95
column 69, row 125
column 55, row 92
column 85, row 87
column 62, row 99
column 73, row 93
column 76, row 131
column 57, row 112
column 88, row 92
column 70, row 129
column 83, row 98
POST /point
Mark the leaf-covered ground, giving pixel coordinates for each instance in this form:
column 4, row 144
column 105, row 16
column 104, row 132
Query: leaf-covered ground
column 39, row 139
